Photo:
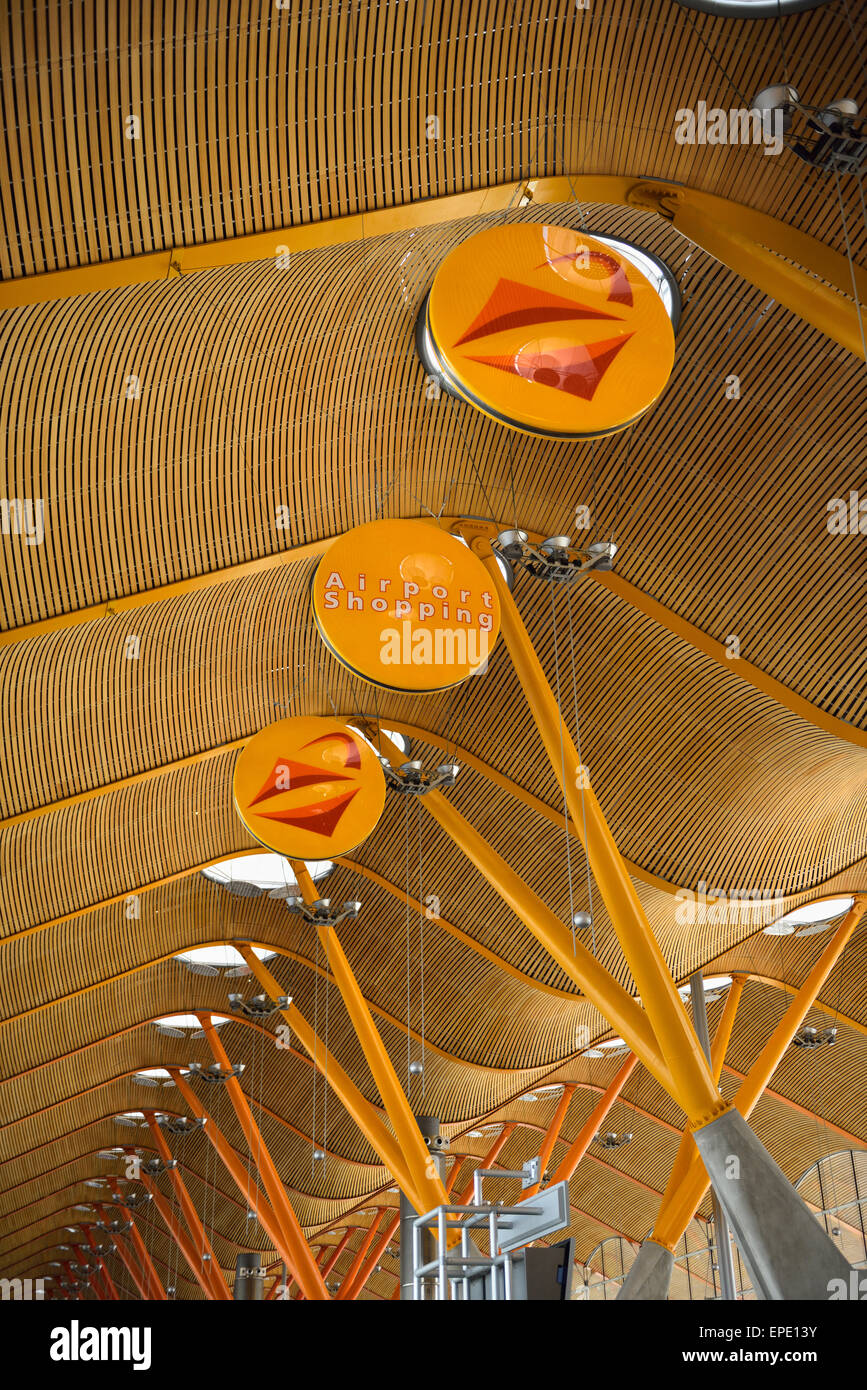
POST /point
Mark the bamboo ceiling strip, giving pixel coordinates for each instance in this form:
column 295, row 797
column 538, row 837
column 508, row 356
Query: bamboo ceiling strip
column 802, row 433
column 327, row 113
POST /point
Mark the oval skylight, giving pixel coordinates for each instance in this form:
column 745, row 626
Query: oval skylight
column 222, row 957
column 187, row 1020
column 261, row 873
column 710, row 982
column 811, row 918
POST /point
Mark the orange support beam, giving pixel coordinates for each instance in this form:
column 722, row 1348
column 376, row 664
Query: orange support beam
column 132, row 1268
column 493, row 1152
column 246, row 1185
column 300, row 1259
column 375, row 1255
column 693, row 1087
column 369, row 1237
column 336, row 1253
column 679, row 1205
column 687, row 1152
column 423, row 1173
column 198, row 1268
column 622, row 1011
column 216, row 1278
column 551, row 1137
column 584, row 1138
column 158, row 1293
column 363, row 1113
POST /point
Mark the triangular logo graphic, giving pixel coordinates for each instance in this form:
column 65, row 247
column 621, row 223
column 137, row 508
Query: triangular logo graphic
column 621, row 290
column 286, row 775
column 352, row 756
column 513, row 305
column 321, row 818
column 577, row 369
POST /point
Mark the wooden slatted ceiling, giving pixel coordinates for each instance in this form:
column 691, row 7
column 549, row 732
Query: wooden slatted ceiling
column 300, row 388
column 722, row 504
column 259, row 118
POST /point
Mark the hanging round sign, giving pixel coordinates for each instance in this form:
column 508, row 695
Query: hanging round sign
column 309, row 788
column 548, row 331
column 406, row 605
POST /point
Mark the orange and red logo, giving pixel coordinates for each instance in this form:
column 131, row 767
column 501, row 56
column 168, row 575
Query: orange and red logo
column 558, row 310
column 309, row 788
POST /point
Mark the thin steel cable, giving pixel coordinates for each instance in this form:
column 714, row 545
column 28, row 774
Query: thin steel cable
column 581, row 766
column 408, row 991
column 783, row 52
column 315, row 1051
column 325, row 1076
column 421, row 935
column 858, row 49
column 563, row 767
column 716, row 61
column 482, row 488
column 623, row 469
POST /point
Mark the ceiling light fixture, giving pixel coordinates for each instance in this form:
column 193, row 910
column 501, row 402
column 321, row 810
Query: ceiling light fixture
column 815, row 1037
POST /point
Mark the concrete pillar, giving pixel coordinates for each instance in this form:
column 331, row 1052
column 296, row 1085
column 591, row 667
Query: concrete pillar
column 787, row 1252
column 430, row 1128
column 722, row 1239
column 650, row 1276
column 249, row 1277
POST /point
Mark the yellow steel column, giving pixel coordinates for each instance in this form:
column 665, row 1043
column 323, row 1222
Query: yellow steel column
column 182, row 1241
column 382, row 1245
column 148, row 1267
column 363, row 1113
column 422, row 1169
column 687, row 1150
column 694, row 1085
column 680, row 1203
column 345, row 1291
column 621, row 1010
column 244, row 1182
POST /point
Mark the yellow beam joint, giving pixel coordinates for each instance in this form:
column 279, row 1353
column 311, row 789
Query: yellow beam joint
column 687, row 1151
column 422, row 1169
column 694, row 1087
column 680, row 1204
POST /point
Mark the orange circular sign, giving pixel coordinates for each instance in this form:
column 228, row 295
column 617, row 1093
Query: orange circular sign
column 309, row 788
column 549, row 331
column 406, row 605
